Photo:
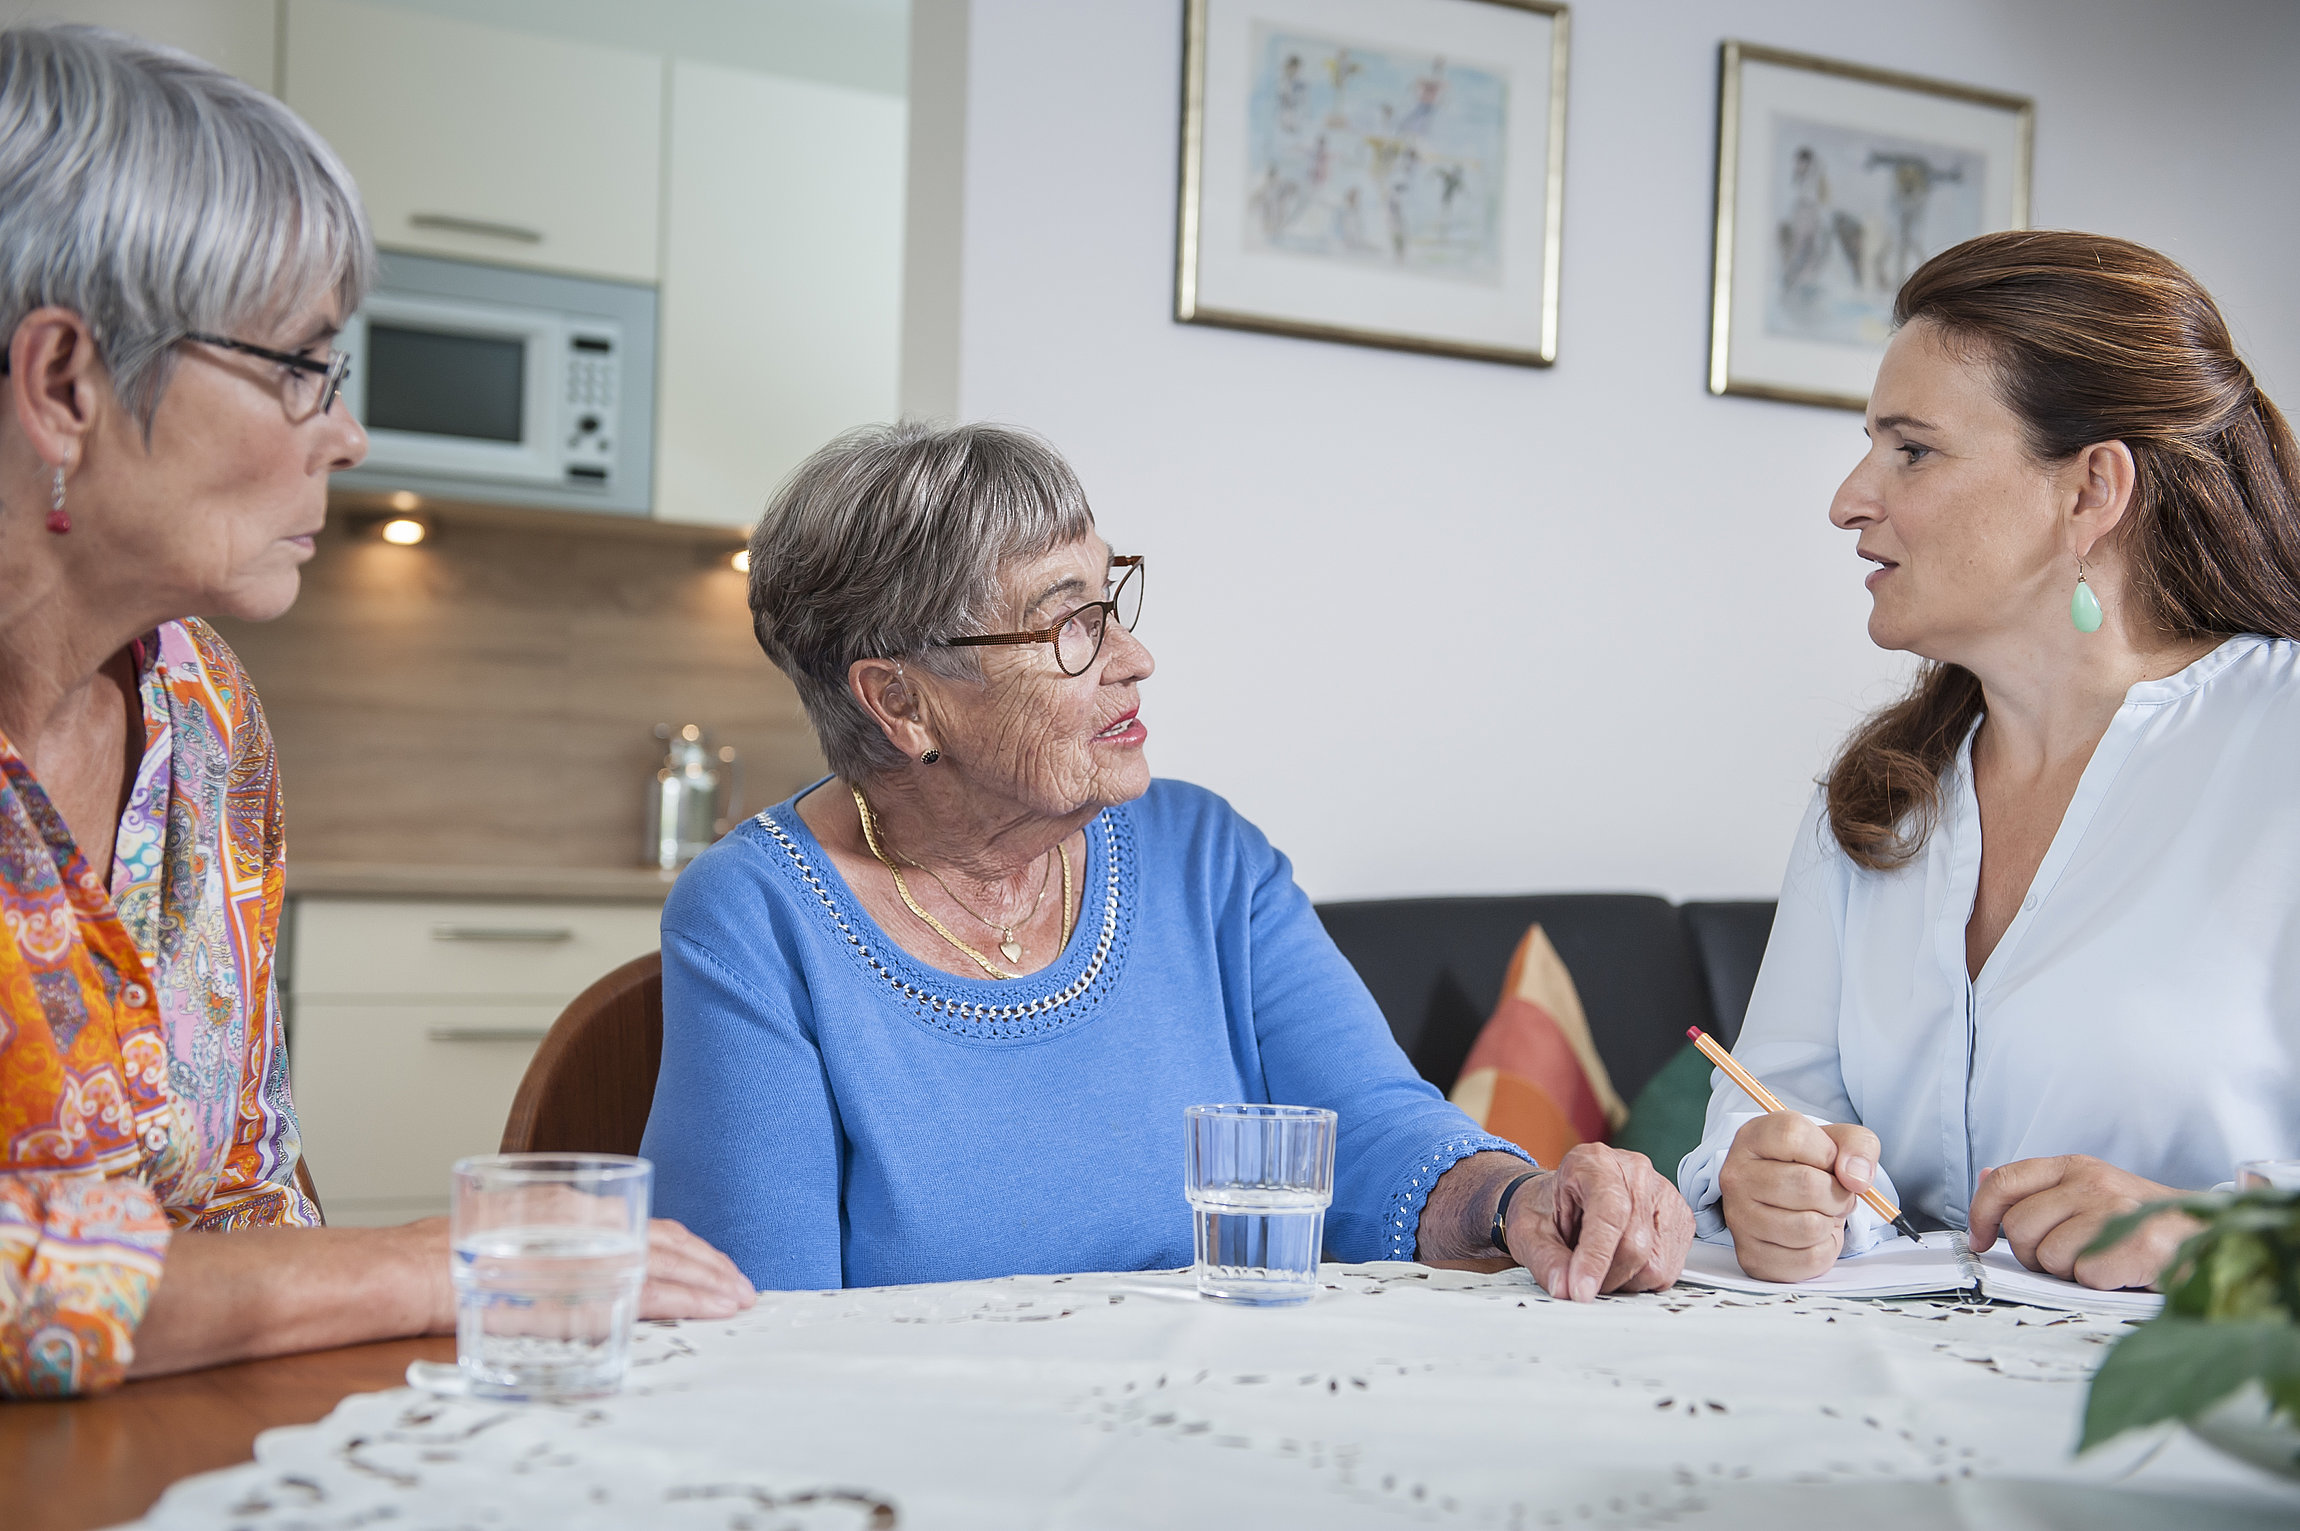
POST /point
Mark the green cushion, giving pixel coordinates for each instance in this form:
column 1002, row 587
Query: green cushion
column 1665, row 1119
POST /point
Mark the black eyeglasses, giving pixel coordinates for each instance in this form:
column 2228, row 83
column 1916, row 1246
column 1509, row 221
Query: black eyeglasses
column 1077, row 638
column 310, row 387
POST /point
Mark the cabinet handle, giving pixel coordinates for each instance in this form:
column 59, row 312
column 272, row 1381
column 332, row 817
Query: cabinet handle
column 536, row 933
column 448, row 223
column 488, row 1033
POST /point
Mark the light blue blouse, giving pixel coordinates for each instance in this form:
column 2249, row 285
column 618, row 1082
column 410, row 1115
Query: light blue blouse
column 2143, row 1007
column 831, row 1112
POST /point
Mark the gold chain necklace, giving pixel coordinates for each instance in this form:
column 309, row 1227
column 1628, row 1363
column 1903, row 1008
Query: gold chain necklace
column 871, row 839
column 1008, row 947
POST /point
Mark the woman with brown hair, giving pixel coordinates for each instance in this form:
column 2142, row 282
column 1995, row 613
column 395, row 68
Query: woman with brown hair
column 2038, row 948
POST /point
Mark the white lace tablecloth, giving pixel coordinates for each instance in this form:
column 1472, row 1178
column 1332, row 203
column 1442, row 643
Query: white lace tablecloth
column 1400, row 1396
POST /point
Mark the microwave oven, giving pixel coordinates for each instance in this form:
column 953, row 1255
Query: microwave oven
column 480, row 382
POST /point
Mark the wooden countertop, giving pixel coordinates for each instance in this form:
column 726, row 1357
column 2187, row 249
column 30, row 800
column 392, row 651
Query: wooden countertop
column 91, row 1462
column 370, row 879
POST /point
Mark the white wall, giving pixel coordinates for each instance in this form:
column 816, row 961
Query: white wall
column 1446, row 626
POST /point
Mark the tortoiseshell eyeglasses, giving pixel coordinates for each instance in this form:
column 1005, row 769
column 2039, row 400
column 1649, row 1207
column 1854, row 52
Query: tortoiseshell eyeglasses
column 1077, row 638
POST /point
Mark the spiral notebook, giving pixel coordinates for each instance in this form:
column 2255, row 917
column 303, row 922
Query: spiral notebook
column 1943, row 1265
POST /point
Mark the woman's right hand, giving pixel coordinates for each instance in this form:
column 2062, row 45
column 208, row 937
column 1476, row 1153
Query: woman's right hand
column 687, row 1277
column 1786, row 1188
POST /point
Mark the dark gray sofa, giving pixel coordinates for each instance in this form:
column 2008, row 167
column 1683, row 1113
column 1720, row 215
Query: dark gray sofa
column 1645, row 968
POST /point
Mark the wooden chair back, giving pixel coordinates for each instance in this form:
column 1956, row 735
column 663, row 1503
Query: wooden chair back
column 592, row 1082
column 303, row 1183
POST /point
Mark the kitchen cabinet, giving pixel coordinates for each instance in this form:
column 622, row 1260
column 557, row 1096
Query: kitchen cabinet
column 782, row 282
column 411, row 1022
column 239, row 36
column 484, row 144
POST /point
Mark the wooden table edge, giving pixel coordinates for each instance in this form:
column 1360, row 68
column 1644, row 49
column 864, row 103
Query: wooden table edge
column 82, row 1463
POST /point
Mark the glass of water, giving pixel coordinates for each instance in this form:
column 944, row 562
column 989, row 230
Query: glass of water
column 549, row 1253
column 1259, row 1180
column 2268, row 1174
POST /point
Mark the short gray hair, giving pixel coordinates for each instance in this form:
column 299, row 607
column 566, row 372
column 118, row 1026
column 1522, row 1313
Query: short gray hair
column 887, row 543
column 152, row 194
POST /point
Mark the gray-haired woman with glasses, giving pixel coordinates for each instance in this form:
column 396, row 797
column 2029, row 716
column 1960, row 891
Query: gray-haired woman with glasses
column 177, row 252
column 938, row 1016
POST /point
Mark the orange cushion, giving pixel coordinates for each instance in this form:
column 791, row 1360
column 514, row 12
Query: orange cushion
column 1533, row 1076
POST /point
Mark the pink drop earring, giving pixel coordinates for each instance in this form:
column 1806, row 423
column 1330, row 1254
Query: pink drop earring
column 59, row 521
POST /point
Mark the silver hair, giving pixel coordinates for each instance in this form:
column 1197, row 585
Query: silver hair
column 887, row 543
column 152, row 194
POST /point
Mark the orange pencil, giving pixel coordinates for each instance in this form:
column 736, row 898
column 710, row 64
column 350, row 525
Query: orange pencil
column 1765, row 1098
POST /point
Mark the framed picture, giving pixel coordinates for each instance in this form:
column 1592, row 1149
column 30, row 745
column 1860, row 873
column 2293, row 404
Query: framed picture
column 1384, row 172
column 1834, row 182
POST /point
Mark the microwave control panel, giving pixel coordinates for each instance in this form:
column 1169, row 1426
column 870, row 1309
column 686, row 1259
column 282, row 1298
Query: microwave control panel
column 594, row 389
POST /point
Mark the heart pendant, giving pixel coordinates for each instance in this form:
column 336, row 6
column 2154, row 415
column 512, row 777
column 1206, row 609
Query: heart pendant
column 1011, row 950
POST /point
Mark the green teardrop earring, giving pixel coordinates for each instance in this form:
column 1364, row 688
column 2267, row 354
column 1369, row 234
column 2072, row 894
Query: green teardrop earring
column 2084, row 606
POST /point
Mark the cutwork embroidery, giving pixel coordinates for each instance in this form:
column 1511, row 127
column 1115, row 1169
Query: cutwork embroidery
column 1401, row 1220
column 968, row 1018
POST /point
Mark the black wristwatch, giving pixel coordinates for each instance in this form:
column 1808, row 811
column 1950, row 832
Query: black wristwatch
column 1501, row 1209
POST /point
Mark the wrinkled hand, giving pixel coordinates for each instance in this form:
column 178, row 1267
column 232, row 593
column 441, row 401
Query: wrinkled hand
column 688, row 1278
column 2049, row 1210
column 1786, row 1188
column 1602, row 1221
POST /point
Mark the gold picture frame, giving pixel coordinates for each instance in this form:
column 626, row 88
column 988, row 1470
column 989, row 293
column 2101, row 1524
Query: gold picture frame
column 1511, row 318
column 1936, row 133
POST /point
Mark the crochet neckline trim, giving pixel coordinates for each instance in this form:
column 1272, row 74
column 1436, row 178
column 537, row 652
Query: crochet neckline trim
column 944, row 1000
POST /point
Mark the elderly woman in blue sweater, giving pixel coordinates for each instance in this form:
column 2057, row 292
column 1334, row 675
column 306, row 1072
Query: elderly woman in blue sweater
column 937, row 1016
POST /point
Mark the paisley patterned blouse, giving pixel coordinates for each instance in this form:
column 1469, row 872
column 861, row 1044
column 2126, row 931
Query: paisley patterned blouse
column 143, row 1076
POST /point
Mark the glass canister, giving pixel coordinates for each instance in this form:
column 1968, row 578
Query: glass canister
column 692, row 799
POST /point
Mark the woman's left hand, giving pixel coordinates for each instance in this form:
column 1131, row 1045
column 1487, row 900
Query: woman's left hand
column 2050, row 1211
column 1602, row 1221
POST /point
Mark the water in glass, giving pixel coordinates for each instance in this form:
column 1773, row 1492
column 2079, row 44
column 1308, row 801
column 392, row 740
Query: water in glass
column 546, row 1311
column 1258, row 1245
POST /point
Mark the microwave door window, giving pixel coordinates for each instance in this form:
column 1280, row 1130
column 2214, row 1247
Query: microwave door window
column 443, row 383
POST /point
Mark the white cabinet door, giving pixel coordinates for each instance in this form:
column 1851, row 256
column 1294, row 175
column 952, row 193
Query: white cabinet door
column 484, row 144
column 238, row 36
column 411, row 1023
column 782, row 282
column 390, row 1096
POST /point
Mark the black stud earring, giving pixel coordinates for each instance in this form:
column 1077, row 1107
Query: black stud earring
column 930, row 757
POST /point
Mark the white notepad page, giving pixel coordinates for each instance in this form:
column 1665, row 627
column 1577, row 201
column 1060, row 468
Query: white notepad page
column 1941, row 1265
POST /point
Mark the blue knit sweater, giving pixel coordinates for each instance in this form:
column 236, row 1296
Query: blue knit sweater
column 831, row 1112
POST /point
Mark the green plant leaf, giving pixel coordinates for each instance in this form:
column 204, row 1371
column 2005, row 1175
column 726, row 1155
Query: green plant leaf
column 2243, row 1262
column 2176, row 1367
column 2240, row 1272
column 2117, row 1229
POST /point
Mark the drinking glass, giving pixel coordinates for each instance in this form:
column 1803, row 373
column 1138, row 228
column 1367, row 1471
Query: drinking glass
column 1259, row 1180
column 549, row 1253
column 2262, row 1174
